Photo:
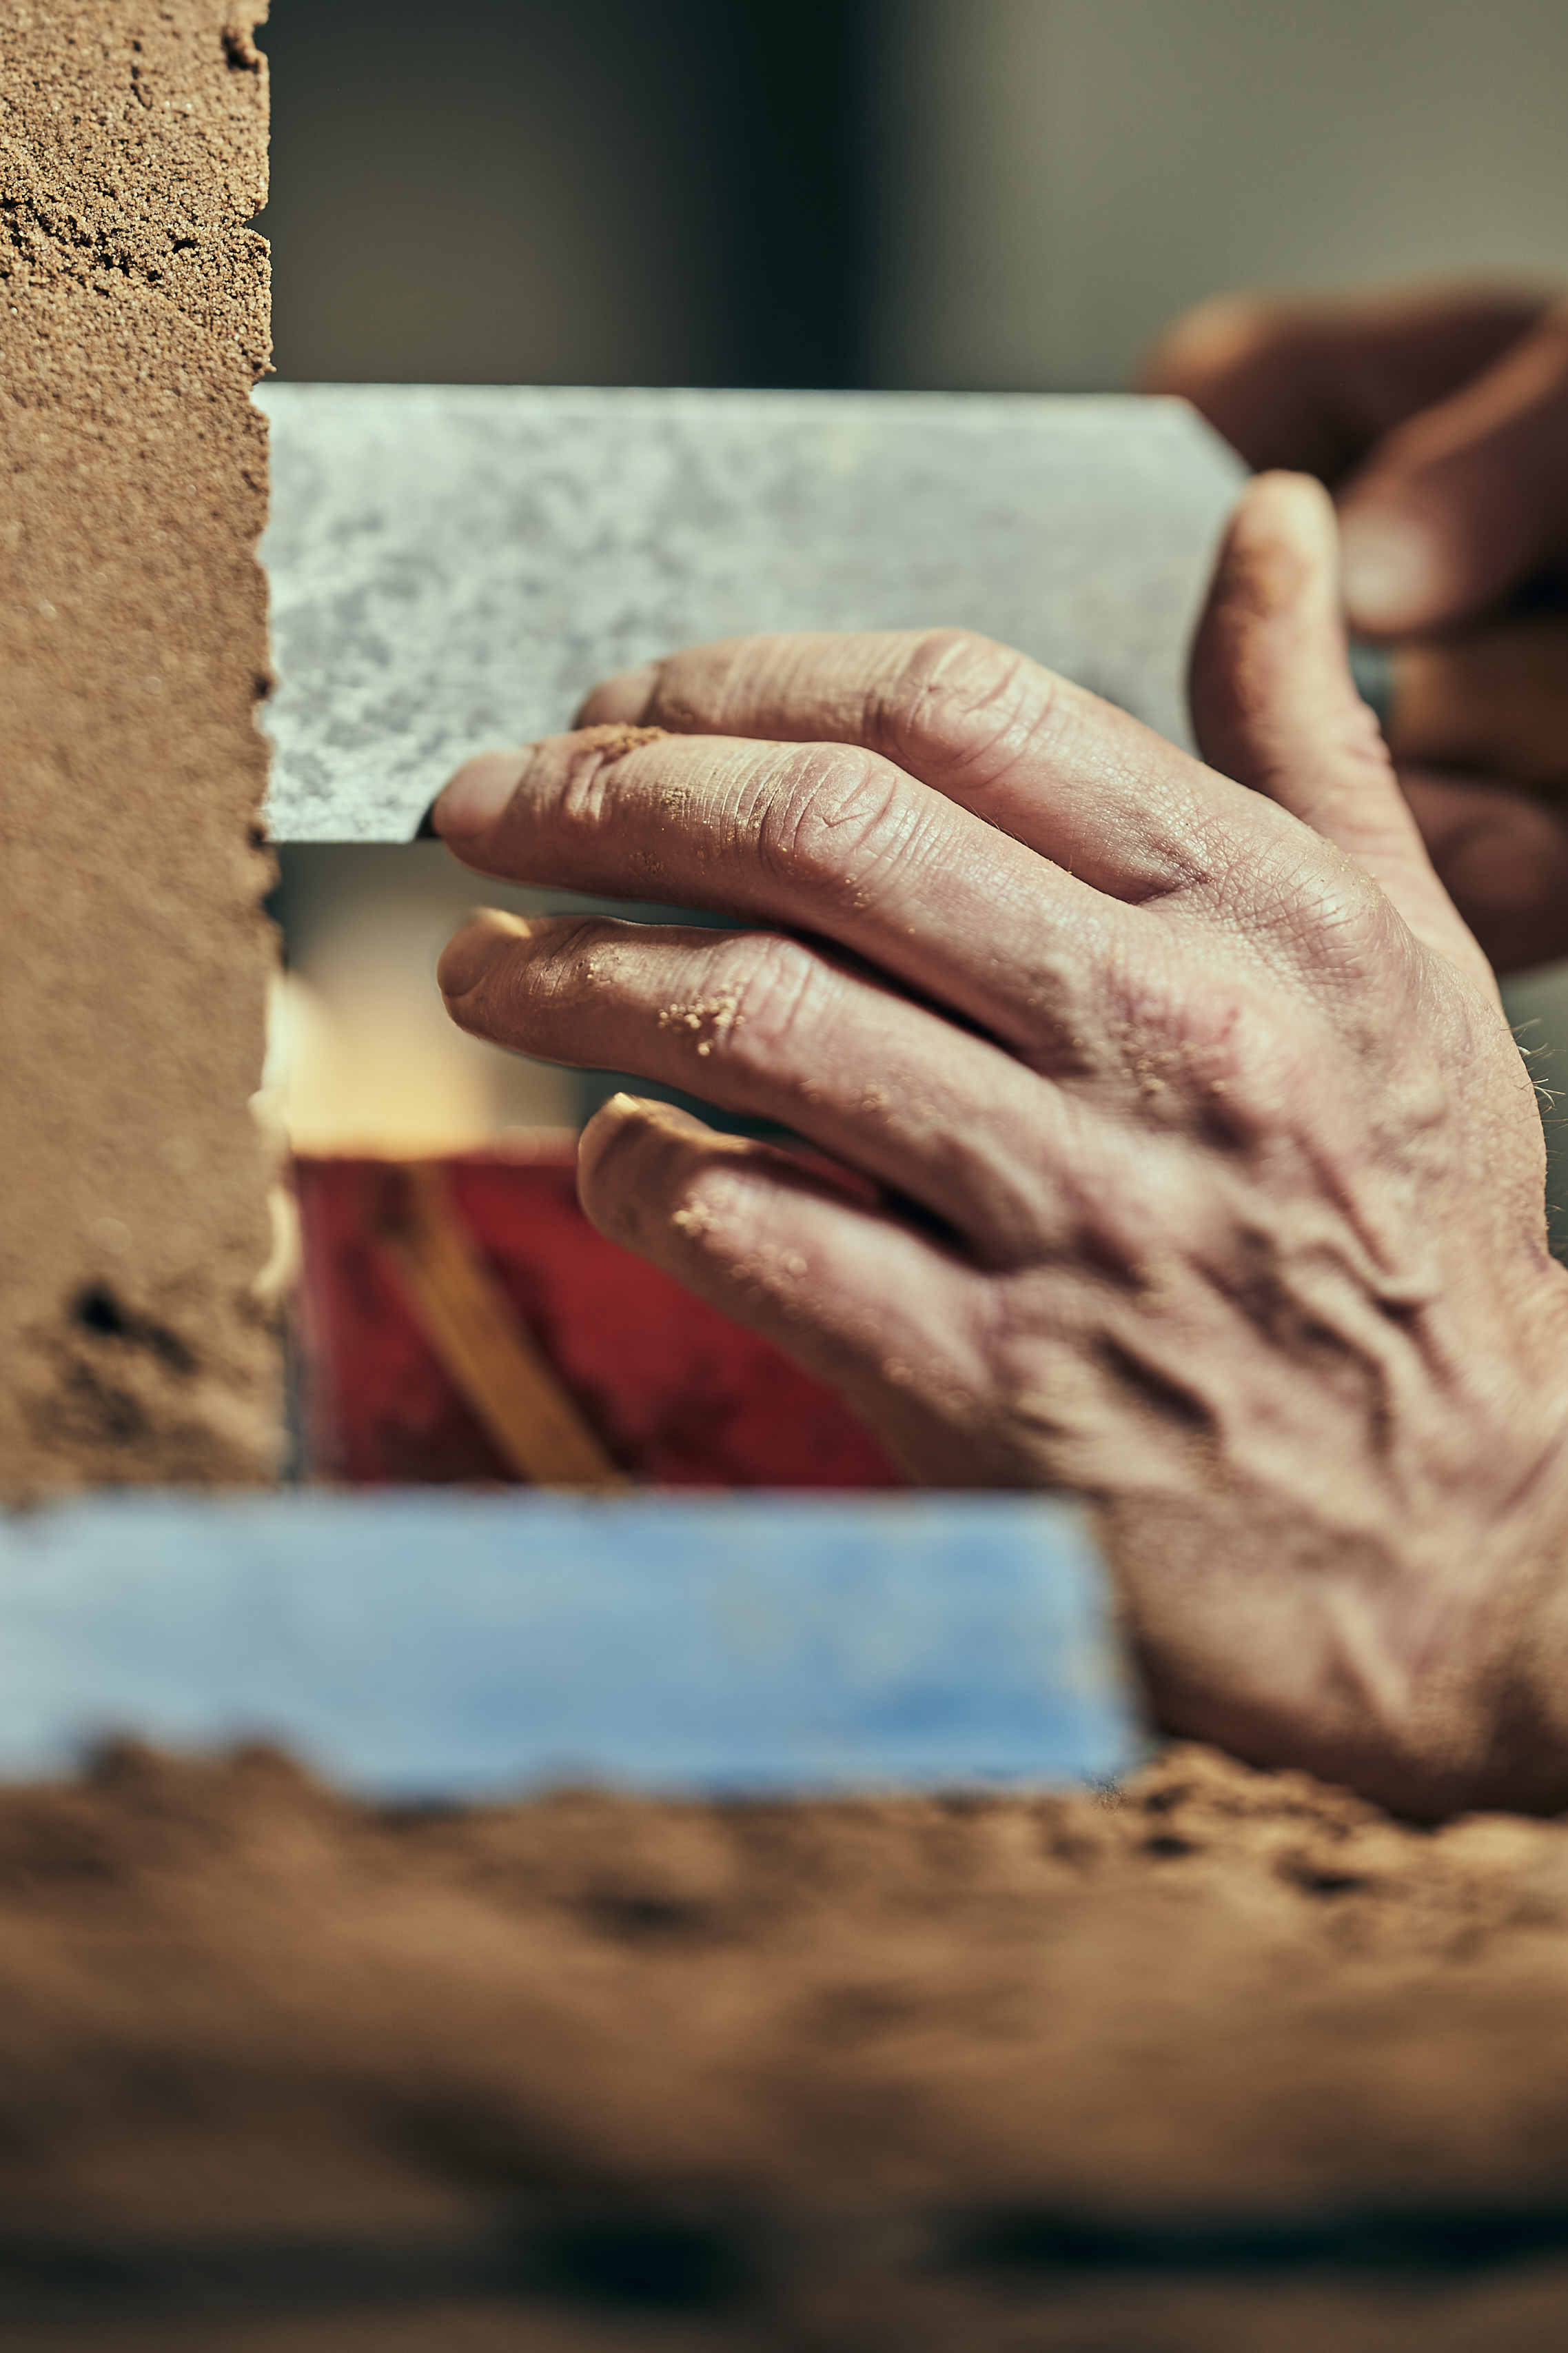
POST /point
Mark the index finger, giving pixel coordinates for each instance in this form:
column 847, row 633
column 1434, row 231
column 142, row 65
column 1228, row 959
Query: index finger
column 1054, row 766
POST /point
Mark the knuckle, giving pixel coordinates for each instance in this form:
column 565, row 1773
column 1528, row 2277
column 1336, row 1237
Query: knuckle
column 1215, row 1047
column 1338, row 921
column 1302, row 906
column 1250, row 1068
column 779, row 986
column 830, row 811
column 958, row 702
column 764, row 992
column 553, row 972
column 581, row 802
column 584, row 764
column 1255, row 1067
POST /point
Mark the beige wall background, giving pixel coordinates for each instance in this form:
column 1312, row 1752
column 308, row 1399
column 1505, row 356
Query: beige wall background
column 1061, row 176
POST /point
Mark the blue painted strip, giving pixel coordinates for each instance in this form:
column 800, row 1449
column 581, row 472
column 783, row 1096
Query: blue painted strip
column 425, row 1642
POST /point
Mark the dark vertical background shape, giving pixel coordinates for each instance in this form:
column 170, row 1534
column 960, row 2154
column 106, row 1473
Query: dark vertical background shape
column 801, row 122
column 571, row 191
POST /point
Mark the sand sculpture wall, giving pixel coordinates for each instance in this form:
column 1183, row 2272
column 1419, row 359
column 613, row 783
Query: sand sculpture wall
column 134, row 1344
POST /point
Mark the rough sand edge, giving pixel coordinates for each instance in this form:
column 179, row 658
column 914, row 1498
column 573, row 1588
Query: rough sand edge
column 133, row 640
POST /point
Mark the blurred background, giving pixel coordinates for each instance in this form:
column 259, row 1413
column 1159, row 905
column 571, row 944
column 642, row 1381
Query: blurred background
column 980, row 194
column 963, row 194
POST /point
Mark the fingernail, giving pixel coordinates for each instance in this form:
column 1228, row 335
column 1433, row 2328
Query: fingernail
column 478, row 793
column 469, row 954
column 1390, row 566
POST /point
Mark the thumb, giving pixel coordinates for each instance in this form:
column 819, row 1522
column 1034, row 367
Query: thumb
column 1274, row 706
column 1465, row 499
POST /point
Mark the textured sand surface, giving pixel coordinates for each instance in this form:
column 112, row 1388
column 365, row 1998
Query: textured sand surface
column 386, row 2073
column 132, row 644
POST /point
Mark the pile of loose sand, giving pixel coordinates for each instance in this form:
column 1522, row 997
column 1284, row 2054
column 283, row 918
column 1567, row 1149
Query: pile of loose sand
column 279, row 2070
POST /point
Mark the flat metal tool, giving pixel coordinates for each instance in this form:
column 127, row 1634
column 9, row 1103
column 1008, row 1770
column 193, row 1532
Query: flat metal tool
column 436, row 1644
column 454, row 566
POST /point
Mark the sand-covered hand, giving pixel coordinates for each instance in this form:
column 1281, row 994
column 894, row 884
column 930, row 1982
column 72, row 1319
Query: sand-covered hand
column 1190, row 1162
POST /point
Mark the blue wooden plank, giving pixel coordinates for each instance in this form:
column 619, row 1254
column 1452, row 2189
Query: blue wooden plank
column 423, row 1642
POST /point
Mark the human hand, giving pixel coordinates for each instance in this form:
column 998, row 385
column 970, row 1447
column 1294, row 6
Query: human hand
column 1441, row 417
column 1197, row 1170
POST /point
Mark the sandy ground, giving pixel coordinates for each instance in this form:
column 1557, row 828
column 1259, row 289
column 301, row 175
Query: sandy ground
column 1221, row 2059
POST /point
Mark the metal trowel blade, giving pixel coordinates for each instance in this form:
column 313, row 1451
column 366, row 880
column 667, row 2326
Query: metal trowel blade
column 453, row 566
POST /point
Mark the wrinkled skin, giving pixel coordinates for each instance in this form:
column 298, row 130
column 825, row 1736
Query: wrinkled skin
column 1439, row 415
column 1194, row 1167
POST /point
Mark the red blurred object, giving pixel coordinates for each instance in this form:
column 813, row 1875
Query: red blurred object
column 680, row 1396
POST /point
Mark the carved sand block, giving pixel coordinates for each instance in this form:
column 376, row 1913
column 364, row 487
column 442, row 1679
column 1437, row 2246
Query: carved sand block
column 134, row 1344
